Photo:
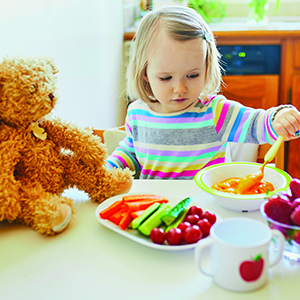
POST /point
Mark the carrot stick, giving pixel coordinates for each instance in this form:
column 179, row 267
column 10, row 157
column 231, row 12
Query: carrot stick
column 116, row 218
column 125, row 221
column 133, row 198
column 137, row 213
column 140, row 205
column 123, row 211
column 112, row 209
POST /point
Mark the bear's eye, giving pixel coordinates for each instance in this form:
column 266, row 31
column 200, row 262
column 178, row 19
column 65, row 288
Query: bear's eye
column 51, row 97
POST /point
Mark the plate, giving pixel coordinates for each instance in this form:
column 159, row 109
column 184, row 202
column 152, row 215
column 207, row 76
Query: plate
column 135, row 235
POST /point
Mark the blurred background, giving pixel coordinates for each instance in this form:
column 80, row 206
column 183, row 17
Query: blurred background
column 85, row 38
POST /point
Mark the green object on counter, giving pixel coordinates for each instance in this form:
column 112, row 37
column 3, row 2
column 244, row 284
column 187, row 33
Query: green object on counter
column 179, row 219
column 154, row 220
column 172, row 214
column 139, row 220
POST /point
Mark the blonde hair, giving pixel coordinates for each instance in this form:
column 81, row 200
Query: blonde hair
column 180, row 23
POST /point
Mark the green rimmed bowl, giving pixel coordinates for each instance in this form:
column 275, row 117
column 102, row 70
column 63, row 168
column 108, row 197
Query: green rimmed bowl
column 208, row 176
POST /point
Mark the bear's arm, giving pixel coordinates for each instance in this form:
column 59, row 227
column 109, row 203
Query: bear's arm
column 80, row 141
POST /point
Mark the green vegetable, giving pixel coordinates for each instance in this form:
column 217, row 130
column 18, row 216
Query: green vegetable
column 138, row 221
column 154, row 220
column 178, row 220
column 172, row 214
column 163, row 226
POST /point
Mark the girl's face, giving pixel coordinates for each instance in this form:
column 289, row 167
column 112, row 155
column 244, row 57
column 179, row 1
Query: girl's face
column 176, row 73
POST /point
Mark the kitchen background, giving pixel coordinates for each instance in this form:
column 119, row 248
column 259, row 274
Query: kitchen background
column 85, row 38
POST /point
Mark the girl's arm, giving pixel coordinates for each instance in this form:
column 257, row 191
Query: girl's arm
column 237, row 123
column 124, row 156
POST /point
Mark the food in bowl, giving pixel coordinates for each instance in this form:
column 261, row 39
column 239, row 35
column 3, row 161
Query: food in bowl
column 232, row 185
column 251, row 184
column 282, row 212
column 211, row 175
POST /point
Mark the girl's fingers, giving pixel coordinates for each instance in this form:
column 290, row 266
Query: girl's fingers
column 287, row 123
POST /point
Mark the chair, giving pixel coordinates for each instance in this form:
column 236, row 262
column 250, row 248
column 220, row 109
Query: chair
column 253, row 153
column 111, row 137
column 100, row 132
column 279, row 158
column 235, row 151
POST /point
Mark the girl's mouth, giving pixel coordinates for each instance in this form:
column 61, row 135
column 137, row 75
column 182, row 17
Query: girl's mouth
column 179, row 100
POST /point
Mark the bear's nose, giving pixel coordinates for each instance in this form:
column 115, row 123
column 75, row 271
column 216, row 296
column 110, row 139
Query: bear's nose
column 51, row 97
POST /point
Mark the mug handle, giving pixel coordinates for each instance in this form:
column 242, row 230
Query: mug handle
column 200, row 248
column 280, row 246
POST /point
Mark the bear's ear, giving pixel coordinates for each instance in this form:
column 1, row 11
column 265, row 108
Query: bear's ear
column 50, row 61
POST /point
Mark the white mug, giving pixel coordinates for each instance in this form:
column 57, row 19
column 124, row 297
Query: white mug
column 239, row 253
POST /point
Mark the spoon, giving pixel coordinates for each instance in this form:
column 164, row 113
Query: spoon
column 271, row 153
column 273, row 150
column 253, row 179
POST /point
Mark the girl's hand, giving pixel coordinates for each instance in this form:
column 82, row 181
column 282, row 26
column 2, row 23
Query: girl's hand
column 287, row 123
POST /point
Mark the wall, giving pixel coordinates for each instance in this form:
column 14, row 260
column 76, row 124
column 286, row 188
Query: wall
column 239, row 8
column 131, row 12
column 287, row 8
column 85, row 40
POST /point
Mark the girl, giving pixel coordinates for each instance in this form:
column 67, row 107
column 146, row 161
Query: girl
column 179, row 125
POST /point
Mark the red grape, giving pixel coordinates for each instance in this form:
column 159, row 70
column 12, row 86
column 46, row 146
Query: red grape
column 195, row 210
column 192, row 234
column 184, row 225
column 193, row 219
column 204, row 226
column 157, row 235
column 174, row 236
column 210, row 216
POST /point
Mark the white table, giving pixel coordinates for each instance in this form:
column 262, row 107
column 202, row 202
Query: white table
column 89, row 261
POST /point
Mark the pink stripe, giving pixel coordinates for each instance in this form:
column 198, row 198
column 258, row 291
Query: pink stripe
column 121, row 160
column 174, row 175
column 222, row 116
column 128, row 127
column 269, row 128
column 170, row 174
column 219, row 160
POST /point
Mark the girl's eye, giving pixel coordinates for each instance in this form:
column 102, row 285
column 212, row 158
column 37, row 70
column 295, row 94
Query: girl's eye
column 165, row 78
column 193, row 76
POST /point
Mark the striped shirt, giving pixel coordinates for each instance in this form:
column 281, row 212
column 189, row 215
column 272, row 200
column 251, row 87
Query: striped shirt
column 177, row 145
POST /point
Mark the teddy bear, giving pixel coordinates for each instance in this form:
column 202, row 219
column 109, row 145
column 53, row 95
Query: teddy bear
column 41, row 156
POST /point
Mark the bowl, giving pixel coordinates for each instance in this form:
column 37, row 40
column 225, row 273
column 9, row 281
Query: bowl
column 291, row 232
column 208, row 176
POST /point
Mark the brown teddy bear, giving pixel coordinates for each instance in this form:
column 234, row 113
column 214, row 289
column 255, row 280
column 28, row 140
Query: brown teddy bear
column 40, row 157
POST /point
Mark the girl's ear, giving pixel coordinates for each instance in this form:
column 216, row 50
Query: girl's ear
column 146, row 77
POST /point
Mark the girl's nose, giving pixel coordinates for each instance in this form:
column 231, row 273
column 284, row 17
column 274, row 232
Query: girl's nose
column 179, row 87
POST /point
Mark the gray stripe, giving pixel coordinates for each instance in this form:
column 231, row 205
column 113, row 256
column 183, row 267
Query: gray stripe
column 176, row 137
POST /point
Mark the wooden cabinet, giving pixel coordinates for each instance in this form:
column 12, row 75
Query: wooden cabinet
column 257, row 91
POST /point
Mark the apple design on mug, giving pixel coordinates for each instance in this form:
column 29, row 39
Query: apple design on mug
column 250, row 270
